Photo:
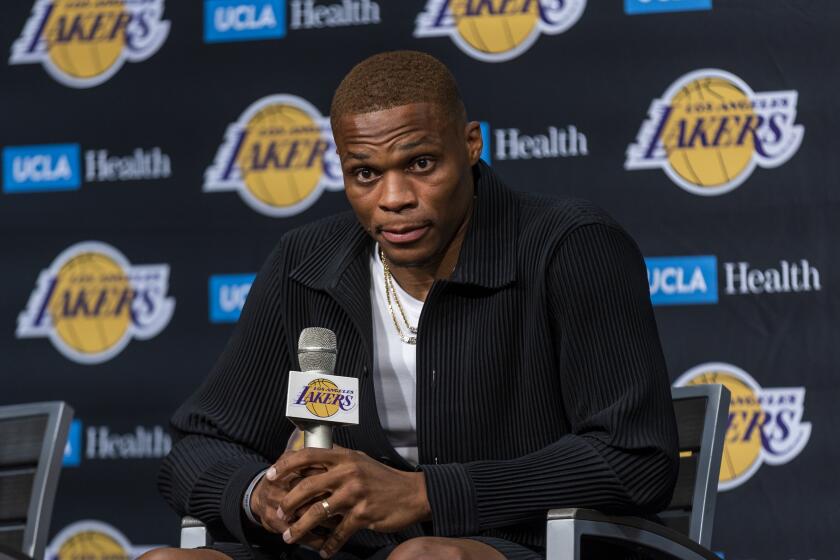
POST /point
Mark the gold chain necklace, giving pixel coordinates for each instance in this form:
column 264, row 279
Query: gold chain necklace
column 390, row 290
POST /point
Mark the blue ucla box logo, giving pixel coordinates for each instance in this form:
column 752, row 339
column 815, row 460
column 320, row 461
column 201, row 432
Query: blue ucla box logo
column 73, row 448
column 654, row 6
column 44, row 167
column 227, row 296
column 682, row 280
column 244, row 20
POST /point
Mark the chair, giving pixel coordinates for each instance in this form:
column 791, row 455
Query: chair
column 32, row 441
column 686, row 533
column 194, row 533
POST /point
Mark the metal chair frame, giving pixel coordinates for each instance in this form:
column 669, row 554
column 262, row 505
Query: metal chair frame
column 47, row 471
column 567, row 527
column 194, row 533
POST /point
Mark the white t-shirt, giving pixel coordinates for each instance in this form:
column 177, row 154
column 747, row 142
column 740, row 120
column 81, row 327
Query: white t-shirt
column 394, row 363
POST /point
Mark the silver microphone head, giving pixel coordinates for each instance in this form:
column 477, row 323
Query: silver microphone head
column 317, row 349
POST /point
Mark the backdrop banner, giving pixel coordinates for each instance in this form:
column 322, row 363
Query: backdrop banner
column 153, row 153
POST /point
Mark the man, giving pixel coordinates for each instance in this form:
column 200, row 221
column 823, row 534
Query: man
column 505, row 346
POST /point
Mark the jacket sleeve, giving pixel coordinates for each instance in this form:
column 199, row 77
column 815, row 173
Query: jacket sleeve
column 235, row 425
column 621, row 453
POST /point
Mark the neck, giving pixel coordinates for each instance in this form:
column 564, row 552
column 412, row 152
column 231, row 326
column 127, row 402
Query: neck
column 418, row 280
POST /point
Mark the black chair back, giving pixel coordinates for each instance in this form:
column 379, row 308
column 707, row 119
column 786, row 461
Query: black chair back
column 702, row 413
column 32, row 440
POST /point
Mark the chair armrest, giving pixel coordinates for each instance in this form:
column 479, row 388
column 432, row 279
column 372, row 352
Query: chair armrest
column 194, row 533
column 566, row 526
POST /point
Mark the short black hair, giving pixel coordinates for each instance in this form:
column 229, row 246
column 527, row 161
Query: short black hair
column 396, row 78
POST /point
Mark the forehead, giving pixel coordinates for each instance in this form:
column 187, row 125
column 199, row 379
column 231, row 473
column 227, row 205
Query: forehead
column 390, row 125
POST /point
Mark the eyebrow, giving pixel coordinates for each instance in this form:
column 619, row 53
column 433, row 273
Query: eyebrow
column 411, row 145
column 402, row 147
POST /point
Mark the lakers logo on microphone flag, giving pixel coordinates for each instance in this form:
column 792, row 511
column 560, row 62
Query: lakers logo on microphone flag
column 318, row 397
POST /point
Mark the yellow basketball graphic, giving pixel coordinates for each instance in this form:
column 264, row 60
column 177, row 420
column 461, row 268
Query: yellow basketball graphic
column 84, row 36
column 320, row 387
column 739, row 453
column 279, row 161
column 83, row 43
column 709, row 131
column 279, row 155
column 84, row 303
column 90, row 306
column 493, row 32
column 709, row 99
column 496, row 30
column 92, row 545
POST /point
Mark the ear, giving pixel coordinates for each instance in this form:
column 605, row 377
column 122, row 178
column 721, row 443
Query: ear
column 474, row 141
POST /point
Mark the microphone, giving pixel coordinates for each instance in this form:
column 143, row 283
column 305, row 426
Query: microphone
column 317, row 400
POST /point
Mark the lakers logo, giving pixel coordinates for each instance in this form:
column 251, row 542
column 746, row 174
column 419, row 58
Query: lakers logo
column 496, row 30
column 323, row 398
column 91, row 302
column 280, row 156
column 83, row 43
column 91, row 540
column 710, row 130
column 765, row 425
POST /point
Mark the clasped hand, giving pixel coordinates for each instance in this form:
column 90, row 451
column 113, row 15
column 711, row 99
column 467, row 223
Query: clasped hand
column 360, row 493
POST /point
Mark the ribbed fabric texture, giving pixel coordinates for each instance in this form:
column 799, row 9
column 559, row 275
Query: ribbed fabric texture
column 540, row 378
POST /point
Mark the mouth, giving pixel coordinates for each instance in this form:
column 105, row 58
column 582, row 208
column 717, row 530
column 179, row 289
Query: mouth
column 399, row 235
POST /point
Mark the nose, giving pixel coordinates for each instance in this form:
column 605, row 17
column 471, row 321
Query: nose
column 397, row 194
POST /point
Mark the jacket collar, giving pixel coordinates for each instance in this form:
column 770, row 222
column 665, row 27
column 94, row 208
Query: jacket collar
column 488, row 254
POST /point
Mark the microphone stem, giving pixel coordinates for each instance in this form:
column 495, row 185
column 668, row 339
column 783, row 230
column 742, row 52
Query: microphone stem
column 317, row 435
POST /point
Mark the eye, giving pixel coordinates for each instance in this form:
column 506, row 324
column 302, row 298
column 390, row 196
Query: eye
column 422, row 164
column 364, row 174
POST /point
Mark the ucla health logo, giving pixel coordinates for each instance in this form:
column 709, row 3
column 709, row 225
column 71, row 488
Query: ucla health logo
column 279, row 156
column 515, row 144
column 710, row 130
column 82, row 43
column 57, row 167
column 764, row 426
column 91, row 302
column 228, row 293
column 496, row 30
column 653, row 6
column 45, row 167
column 682, row 280
column 100, row 443
column 235, row 20
column 251, row 20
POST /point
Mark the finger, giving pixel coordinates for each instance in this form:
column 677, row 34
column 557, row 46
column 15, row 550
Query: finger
column 279, row 526
column 310, row 488
column 314, row 516
column 274, row 477
column 340, row 535
column 266, row 498
column 295, row 461
column 273, row 480
column 273, row 492
column 273, row 522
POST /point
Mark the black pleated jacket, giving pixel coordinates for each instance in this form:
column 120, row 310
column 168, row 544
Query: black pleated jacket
column 540, row 377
